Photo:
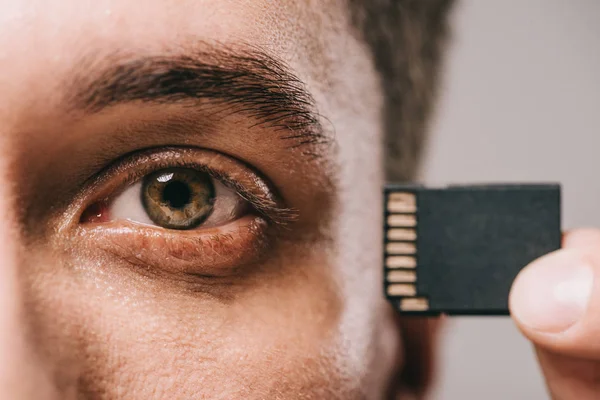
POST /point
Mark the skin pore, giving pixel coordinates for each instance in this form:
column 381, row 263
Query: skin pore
column 283, row 302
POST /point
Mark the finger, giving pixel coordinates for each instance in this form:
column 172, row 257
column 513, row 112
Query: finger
column 555, row 301
column 582, row 238
column 569, row 378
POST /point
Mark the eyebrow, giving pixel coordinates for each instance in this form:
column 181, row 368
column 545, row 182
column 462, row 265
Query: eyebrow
column 248, row 81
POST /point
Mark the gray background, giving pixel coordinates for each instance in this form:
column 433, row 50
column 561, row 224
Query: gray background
column 520, row 102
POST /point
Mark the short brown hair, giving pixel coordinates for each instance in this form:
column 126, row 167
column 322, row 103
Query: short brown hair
column 406, row 38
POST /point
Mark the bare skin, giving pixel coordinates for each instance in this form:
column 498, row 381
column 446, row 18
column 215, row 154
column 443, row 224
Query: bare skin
column 276, row 294
column 266, row 304
column 554, row 301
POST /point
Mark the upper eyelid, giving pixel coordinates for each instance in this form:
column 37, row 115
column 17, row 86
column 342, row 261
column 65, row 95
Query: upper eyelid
column 270, row 209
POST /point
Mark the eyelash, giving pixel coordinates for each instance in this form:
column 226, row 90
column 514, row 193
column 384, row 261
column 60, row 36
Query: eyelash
column 267, row 207
column 201, row 252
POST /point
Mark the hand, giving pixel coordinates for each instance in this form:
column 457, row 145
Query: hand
column 555, row 301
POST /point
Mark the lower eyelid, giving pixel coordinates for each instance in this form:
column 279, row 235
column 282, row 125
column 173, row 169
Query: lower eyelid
column 221, row 251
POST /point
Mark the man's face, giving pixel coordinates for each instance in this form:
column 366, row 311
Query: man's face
column 121, row 124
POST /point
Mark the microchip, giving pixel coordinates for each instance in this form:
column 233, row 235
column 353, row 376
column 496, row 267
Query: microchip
column 456, row 250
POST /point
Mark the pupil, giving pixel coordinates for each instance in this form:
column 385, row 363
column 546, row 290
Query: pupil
column 176, row 194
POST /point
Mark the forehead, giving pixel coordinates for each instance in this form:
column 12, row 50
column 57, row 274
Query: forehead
column 41, row 41
column 142, row 23
column 45, row 46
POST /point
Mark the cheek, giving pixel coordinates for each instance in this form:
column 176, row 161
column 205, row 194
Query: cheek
column 284, row 334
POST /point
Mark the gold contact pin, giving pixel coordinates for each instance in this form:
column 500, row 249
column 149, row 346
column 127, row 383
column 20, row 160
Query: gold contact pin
column 400, row 262
column 402, row 220
column 400, row 248
column 404, row 197
column 401, row 234
column 401, row 289
column 399, row 207
column 402, row 202
column 414, row 304
column 402, row 276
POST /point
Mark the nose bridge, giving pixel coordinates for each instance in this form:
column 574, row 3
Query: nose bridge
column 22, row 376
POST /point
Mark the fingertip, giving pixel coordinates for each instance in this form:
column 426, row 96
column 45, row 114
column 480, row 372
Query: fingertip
column 552, row 293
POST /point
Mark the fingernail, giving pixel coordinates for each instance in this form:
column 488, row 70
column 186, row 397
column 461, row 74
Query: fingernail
column 552, row 293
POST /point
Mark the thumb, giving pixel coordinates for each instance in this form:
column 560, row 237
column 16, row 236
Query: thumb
column 555, row 302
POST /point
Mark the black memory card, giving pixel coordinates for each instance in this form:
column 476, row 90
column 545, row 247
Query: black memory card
column 456, row 250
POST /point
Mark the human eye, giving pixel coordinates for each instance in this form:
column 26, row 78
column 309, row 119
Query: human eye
column 175, row 198
column 181, row 210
